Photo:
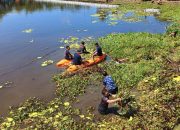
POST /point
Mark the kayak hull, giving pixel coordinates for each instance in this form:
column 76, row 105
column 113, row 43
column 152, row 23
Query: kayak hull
column 87, row 63
column 63, row 63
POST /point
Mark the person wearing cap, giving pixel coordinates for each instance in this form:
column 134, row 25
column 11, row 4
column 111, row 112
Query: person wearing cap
column 77, row 60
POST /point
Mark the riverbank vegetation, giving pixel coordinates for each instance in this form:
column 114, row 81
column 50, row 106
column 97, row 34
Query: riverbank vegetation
column 149, row 76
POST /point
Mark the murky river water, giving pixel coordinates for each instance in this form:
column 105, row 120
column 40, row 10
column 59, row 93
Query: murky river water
column 49, row 22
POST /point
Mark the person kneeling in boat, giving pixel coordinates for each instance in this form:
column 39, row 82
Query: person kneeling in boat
column 103, row 106
column 77, row 60
column 98, row 51
column 109, row 84
column 82, row 48
column 68, row 55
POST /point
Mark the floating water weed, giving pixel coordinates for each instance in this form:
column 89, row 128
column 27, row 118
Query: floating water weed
column 46, row 63
column 27, row 31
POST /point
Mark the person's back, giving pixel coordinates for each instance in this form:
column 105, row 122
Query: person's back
column 77, row 60
column 109, row 84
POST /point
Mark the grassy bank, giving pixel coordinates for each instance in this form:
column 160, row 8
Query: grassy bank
column 150, row 75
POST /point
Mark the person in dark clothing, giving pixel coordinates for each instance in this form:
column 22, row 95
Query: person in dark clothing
column 98, row 51
column 82, row 48
column 67, row 54
column 77, row 60
column 103, row 106
column 109, row 83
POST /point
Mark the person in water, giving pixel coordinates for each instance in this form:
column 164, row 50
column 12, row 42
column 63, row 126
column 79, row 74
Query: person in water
column 98, row 51
column 77, row 60
column 68, row 55
column 82, row 48
column 103, row 106
column 109, row 83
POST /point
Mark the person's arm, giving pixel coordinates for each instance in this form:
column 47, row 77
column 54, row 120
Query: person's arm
column 113, row 100
column 85, row 49
column 81, row 59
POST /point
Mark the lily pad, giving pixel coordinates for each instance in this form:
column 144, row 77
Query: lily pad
column 31, row 41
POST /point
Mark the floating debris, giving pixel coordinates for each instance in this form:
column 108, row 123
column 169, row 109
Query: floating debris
column 61, row 47
column 31, row 41
column 85, row 30
column 1, row 86
column 152, row 11
column 46, row 63
column 39, row 57
column 94, row 21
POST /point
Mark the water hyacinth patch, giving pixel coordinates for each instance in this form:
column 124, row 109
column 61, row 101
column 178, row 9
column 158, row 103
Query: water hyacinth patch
column 46, row 63
column 27, row 30
column 69, row 40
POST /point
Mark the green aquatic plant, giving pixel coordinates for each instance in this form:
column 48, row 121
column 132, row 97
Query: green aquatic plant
column 28, row 30
column 46, row 63
column 69, row 40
